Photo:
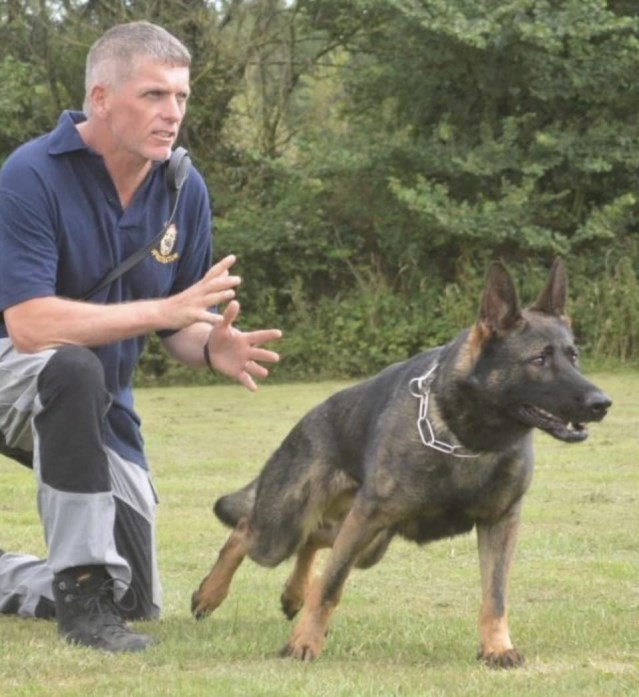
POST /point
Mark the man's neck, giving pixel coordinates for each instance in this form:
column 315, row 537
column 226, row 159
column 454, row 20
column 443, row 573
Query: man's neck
column 127, row 171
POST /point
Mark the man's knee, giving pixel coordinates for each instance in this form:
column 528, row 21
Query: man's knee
column 70, row 424
column 72, row 369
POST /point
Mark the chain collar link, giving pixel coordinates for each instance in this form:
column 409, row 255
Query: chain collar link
column 420, row 388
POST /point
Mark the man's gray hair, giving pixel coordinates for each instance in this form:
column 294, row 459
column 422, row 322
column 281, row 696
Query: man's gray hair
column 112, row 56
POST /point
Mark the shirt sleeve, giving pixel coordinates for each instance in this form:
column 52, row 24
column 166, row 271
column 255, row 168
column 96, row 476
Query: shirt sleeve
column 28, row 249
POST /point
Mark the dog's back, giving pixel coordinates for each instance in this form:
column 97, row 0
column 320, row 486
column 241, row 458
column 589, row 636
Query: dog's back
column 312, row 477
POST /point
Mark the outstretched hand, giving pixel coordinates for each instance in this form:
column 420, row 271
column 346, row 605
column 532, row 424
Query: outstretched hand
column 236, row 354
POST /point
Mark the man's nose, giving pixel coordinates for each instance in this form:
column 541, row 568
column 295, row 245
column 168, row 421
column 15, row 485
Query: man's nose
column 173, row 109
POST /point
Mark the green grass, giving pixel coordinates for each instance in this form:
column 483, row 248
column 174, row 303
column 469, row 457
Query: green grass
column 405, row 627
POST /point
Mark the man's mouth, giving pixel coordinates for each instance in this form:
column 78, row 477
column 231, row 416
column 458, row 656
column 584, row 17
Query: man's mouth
column 168, row 136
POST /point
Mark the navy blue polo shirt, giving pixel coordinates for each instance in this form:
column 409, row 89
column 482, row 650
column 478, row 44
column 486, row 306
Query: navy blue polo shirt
column 62, row 228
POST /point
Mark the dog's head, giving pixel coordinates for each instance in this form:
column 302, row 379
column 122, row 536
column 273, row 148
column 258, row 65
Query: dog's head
column 526, row 362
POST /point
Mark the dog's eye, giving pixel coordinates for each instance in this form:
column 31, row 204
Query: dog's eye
column 543, row 359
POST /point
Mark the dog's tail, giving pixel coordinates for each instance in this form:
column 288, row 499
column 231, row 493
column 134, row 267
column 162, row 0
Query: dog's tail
column 230, row 508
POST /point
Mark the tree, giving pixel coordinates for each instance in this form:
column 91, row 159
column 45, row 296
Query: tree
column 366, row 157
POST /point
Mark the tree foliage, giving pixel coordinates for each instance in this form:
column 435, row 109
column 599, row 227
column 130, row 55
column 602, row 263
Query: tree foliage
column 368, row 157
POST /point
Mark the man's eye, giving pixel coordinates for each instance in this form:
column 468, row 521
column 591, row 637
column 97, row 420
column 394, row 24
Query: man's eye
column 540, row 360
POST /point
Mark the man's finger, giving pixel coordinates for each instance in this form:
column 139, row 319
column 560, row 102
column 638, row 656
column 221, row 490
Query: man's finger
column 255, row 369
column 245, row 379
column 230, row 313
column 213, row 318
column 222, row 265
column 260, row 354
column 262, row 336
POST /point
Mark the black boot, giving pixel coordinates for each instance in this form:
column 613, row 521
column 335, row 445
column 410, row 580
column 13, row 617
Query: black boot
column 87, row 614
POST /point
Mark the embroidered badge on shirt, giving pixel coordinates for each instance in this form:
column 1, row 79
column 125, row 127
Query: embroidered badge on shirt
column 164, row 251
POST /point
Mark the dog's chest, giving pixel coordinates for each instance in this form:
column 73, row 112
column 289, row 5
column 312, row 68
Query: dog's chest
column 451, row 499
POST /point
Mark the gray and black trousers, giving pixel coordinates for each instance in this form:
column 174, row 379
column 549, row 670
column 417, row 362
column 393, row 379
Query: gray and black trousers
column 96, row 507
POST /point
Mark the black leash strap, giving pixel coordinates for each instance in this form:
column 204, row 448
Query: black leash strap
column 176, row 173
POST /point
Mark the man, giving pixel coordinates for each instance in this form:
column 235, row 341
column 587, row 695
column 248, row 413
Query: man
column 75, row 203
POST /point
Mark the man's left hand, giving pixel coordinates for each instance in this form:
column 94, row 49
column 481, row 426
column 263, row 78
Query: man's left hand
column 238, row 354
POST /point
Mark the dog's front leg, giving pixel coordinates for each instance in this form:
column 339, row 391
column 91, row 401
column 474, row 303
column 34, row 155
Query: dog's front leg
column 215, row 586
column 297, row 584
column 307, row 640
column 497, row 543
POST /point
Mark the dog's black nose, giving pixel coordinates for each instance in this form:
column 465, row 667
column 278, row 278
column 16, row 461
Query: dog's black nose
column 598, row 404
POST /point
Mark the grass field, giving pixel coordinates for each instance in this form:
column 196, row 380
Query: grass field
column 405, row 627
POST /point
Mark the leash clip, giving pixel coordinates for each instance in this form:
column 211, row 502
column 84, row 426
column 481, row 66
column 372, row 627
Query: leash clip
column 420, row 388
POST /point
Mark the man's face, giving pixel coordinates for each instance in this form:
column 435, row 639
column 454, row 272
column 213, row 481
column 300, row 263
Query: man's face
column 145, row 111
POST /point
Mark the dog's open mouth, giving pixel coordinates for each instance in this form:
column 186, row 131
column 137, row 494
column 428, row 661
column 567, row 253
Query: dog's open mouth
column 570, row 432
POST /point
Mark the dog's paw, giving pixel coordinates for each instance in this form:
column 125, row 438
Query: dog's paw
column 301, row 651
column 290, row 605
column 510, row 658
column 198, row 609
column 305, row 644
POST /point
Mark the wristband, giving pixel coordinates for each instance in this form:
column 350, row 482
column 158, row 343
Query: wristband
column 207, row 356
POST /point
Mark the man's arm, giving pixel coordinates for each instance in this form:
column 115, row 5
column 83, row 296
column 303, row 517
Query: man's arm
column 41, row 323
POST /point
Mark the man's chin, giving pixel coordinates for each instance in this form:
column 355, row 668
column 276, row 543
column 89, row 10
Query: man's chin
column 159, row 153
column 161, row 157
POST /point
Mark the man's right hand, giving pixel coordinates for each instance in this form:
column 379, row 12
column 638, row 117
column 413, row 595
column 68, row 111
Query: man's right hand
column 193, row 304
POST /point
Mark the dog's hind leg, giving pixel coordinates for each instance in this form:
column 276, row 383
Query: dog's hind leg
column 215, row 586
column 497, row 542
column 357, row 531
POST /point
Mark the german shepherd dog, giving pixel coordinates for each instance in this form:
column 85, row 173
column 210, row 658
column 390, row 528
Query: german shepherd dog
column 427, row 449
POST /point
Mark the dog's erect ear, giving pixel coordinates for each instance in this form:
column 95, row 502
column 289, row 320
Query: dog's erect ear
column 553, row 297
column 499, row 309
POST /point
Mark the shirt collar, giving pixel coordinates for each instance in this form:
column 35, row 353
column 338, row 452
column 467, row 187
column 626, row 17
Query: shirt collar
column 65, row 136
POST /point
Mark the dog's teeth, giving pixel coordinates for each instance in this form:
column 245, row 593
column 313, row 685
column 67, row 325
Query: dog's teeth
column 545, row 414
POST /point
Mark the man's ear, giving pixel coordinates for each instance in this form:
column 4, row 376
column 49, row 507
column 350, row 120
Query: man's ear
column 99, row 100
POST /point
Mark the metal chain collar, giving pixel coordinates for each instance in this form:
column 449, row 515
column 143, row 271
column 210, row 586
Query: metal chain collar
column 420, row 388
